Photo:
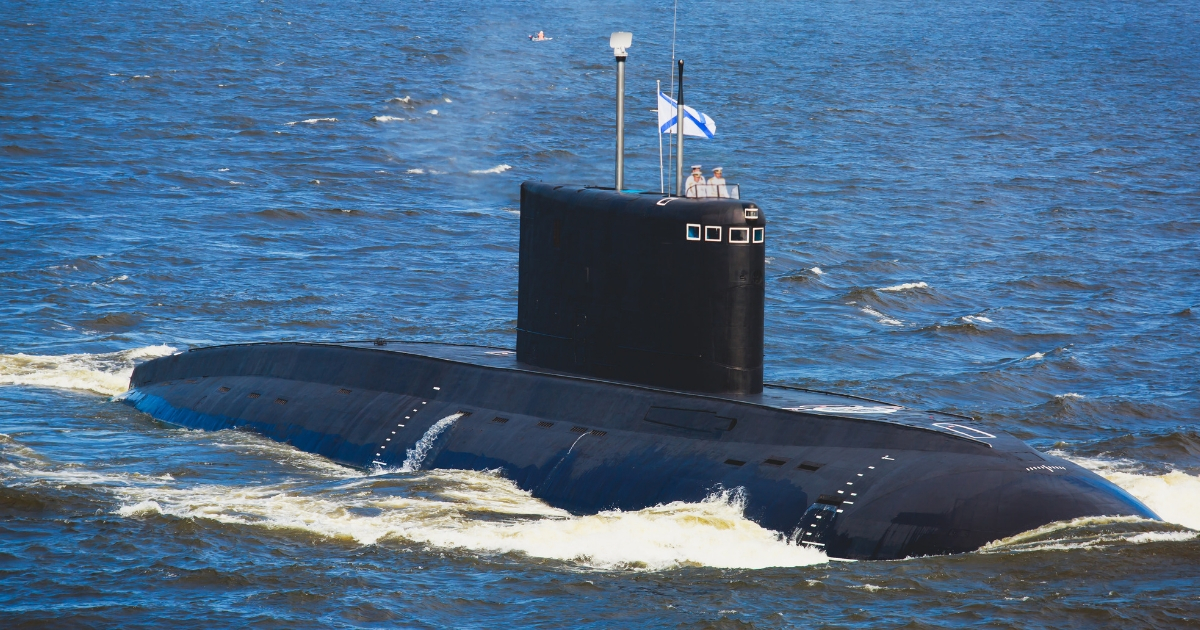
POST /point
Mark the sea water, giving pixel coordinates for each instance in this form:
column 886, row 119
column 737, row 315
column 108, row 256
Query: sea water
column 988, row 208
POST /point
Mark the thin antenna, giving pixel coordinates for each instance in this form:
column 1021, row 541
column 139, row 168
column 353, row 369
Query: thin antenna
column 674, row 22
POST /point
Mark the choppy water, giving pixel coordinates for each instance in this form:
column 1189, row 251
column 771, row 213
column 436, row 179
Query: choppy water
column 983, row 207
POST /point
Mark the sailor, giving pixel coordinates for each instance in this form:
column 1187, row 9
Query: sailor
column 696, row 186
column 716, row 183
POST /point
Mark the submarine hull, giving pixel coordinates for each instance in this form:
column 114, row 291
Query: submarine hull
column 857, row 478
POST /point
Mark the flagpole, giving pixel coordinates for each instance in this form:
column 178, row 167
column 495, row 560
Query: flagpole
column 662, row 186
column 679, row 128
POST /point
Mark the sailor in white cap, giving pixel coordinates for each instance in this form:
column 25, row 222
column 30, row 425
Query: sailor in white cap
column 716, row 183
column 696, row 184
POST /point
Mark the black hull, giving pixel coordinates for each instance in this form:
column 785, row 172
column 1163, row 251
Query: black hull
column 854, row 481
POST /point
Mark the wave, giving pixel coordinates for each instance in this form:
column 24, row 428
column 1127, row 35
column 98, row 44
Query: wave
column 905, row 287
column 815, row 270
column 387, row 118
column 482, row 512
column 1089, row 532
column 1174, row 496
column 106, row 373
column 883, row 319
column 500, row 168
column 312, row 121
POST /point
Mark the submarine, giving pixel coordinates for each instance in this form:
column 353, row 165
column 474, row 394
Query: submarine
column 637, row 380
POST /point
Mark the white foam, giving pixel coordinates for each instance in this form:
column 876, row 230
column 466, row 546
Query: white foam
column 883, row 319
column 1035, row 356
column 976, row 318
column 421, row 171
column 405, row 99
column 815, row 270
column 106, row 373
column 447, row 99
column 312, row 121
column 484, row 513
column 499, row 168
column 120, row 278
column 906, row 286
column 1175, row 496
column 1084, row 533
column 433, row 112
column 387, row 118
column 1069, row 395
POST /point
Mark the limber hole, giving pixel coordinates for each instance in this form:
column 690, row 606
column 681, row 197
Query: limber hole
column 253, row 395
column 545, row 425
column 599, row 432
column 499, row 420
column 222, row 389
column 775, row 462
column 735, row 462
column 280, row 401
column 343, row 391
column 579, row 429
column 811, row 466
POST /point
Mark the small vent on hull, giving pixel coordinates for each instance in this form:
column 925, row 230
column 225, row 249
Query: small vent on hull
column 809, row 466
column 599, row 433
column 343, row 391
column 735, row 462
column 775, row 462
column 545, row 425
column 499, row 420
column 222, row 389
column 280, row 401
column 253, row 395
column 579, row 429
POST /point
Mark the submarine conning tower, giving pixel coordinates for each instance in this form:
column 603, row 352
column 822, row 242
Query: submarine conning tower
column 643, row 288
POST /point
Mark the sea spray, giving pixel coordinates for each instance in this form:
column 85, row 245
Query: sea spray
column 416, row 454
column 106, row 373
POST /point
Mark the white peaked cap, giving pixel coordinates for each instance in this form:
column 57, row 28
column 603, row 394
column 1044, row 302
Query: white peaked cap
column 696, row 166
column 718, row 168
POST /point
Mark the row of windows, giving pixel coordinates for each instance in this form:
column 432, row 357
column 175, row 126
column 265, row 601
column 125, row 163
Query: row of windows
column 713, row 233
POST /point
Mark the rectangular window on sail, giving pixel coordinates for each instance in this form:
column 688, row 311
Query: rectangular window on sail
column 758, row 235
column 693, row 231
column 739, row 235
column 712, row 233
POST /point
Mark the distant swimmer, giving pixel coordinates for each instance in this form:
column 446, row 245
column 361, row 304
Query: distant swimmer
column 696, row 184
column 716, row 183
column 540, row 37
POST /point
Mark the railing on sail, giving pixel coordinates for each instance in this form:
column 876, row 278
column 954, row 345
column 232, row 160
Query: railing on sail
column 722, row 191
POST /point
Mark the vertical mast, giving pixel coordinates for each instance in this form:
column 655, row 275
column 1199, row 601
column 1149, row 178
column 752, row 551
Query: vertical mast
column 679, row 191
column 619, row 41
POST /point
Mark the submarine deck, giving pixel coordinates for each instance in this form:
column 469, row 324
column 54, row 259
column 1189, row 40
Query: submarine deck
column 776, row 396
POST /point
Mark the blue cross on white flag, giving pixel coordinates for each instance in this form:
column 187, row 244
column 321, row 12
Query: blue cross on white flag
column 694, row 123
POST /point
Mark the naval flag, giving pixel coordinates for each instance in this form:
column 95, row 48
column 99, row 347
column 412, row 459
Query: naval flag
column 694, row 123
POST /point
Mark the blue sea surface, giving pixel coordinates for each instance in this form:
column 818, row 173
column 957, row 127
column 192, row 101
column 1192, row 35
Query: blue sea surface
column 989, row 208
